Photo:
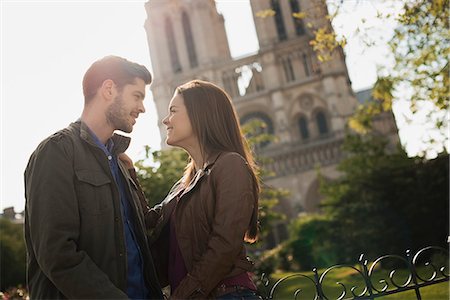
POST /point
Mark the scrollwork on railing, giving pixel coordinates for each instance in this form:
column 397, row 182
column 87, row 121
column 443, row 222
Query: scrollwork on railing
column 427, row 267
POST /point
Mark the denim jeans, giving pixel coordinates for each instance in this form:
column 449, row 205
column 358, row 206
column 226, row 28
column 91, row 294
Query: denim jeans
column 240, row 295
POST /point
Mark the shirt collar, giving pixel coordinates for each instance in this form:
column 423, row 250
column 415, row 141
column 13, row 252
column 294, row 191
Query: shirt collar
column 119, row 143
column 107, row 148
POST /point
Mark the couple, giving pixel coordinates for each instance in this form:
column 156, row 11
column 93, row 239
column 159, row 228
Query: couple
column 88, row 229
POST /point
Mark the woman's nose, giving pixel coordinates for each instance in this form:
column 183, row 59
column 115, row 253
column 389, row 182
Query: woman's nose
column 165, row 120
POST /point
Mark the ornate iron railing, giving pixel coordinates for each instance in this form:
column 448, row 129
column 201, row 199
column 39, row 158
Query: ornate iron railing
column 426, row 267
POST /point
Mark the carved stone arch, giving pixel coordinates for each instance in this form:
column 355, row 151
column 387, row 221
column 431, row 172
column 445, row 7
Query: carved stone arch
column 278, row 19
column 313, row 197
column 247, row 108
column 302, row 126
column 303, row 102
column 301, row 106
column 172, row 44
column 189, row 39
column 202, row 77
column 259, row 116
column 265, row 128
column 322, row 121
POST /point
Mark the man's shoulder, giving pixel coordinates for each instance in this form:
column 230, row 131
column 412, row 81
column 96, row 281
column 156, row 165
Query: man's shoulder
column 61, row 138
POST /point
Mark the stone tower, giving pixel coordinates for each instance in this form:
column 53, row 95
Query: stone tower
column 304, row 103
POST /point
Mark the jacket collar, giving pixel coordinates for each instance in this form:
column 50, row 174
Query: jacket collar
column 121, row 142
column 212, row 158
column 178, row 191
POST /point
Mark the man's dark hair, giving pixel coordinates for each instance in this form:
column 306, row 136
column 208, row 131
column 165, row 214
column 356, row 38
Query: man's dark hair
column 116, row 68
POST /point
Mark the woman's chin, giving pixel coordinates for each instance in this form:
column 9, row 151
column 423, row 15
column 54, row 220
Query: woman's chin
column 170, row 142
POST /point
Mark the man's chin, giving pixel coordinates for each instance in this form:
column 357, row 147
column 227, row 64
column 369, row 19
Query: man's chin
column 126, row 129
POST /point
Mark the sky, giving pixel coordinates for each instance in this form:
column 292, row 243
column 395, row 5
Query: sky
column 46, row 47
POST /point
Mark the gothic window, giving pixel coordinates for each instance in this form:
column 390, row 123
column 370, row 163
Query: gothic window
column 303, row 127
column 288, row 70
column 298, row 23
column 260, row 124
column 189, row 40
column 322, row 123
column 306, row 64
column 172, row 45
column 281, row 30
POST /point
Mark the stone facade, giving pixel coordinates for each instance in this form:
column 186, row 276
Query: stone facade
column 305, row 104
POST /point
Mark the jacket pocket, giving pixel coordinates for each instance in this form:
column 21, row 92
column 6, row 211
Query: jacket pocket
column 94, row 191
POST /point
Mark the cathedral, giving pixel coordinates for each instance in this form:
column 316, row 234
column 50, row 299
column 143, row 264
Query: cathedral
column 303, row 102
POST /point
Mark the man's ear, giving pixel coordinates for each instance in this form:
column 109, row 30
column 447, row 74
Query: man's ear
column 108, row 89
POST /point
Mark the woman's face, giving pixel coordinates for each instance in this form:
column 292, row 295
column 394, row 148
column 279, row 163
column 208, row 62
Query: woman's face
column 178, row 125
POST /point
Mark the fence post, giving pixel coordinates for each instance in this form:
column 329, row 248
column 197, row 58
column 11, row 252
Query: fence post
column 363, row 263
column 318, row 285
column 413, row 274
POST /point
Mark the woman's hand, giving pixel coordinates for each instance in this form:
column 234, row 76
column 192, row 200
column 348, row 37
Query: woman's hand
column 126, row 160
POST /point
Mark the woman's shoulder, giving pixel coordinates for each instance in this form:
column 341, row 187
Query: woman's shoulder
column 231, row 161
column 230, row 156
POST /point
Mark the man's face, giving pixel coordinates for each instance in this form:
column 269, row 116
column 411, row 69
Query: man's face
column 127, row 106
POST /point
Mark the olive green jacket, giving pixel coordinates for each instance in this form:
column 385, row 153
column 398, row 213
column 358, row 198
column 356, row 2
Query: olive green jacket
column 73, row 223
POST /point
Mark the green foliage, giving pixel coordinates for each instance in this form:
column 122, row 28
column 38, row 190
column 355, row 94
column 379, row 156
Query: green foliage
column 325, row 42
column 311, row 244
column 362, row 120
column 255, row 132
column 420, row 75
column 13, row 254
column 268, row 215
column 421, row 46
column 157, row 179
column 385, row 202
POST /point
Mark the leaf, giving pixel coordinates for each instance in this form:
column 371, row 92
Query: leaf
column 299, row 15
column 265, row 13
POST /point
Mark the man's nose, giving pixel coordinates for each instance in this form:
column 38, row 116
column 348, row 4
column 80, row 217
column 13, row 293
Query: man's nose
column 142, row 108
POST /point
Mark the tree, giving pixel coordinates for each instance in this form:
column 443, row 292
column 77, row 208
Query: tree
column 157, row 179
column 421, row 48
column 420, row 75
column 12, row 255
column 386, row 202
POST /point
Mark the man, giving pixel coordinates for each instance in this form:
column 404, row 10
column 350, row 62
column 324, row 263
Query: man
column 84, row 227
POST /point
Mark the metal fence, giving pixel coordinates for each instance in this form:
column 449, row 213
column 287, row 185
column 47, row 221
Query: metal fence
column 386, row 275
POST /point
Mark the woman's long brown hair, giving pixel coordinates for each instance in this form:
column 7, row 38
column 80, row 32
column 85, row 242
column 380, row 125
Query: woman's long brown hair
column 215, row 123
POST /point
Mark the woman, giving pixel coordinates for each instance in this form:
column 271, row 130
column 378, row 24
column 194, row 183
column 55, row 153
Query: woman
column 199, row 230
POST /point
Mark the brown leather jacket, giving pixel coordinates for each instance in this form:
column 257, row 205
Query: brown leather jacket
column 211, row 218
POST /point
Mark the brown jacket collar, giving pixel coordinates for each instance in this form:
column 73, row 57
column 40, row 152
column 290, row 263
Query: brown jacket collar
column 178, row 191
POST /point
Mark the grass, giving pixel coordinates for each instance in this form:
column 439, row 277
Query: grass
column 350, row 278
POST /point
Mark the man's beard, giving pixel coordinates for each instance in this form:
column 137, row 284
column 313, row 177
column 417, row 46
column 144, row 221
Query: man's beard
column 117, row 117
